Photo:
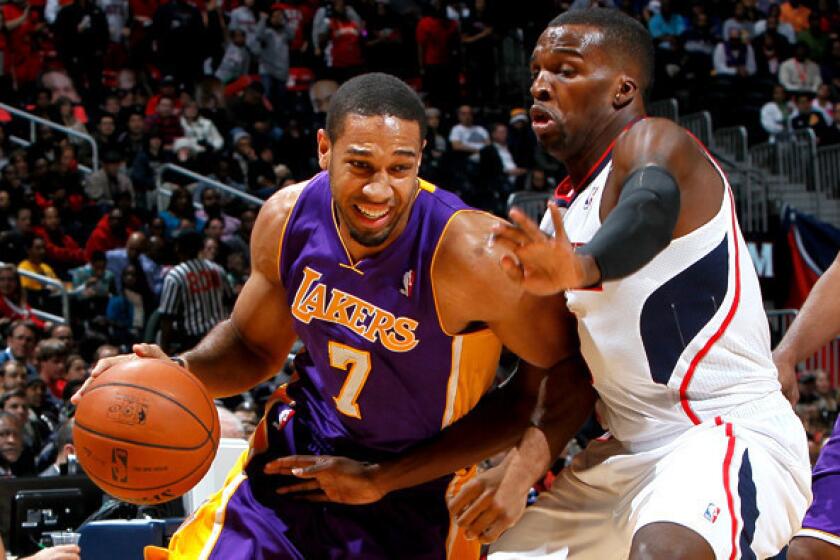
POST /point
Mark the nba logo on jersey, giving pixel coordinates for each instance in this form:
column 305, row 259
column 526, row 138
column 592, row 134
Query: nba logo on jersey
column 588, row 202
column 712, row 512
column 408, row 284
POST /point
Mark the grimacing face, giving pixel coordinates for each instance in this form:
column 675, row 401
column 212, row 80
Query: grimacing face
column 373, row 168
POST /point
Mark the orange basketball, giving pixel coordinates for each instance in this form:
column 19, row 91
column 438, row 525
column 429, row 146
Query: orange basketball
column 146, row 431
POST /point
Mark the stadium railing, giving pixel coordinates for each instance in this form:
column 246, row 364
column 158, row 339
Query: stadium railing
column 751, row 191
column 826, row 358
column 733, row 141
column 534, row 204
column 665, row 108
column 700, row 125
column 203, row 179
column 828, row 170
column 35, row 119
column 47, row 281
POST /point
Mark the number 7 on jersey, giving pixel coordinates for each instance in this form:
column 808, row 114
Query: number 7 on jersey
column 357, row 364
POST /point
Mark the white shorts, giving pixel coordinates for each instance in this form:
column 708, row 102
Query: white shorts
column 743, row 485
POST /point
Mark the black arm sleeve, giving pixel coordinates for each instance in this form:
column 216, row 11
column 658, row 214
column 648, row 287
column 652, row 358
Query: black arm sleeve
column 640, row 225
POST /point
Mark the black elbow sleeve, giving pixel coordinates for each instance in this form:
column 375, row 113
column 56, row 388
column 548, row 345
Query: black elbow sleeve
column 640, row 226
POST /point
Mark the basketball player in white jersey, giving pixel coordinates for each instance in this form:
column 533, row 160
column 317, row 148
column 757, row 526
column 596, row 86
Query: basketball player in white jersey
column 704, row 457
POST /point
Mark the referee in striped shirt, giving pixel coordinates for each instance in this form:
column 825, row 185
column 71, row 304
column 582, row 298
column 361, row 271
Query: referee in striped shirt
column 195, row 296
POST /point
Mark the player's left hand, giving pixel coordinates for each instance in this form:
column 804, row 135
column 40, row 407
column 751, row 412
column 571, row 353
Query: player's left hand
column 328, row 479
column 543, row 265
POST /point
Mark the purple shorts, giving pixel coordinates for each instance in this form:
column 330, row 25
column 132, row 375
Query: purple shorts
column 823, row 517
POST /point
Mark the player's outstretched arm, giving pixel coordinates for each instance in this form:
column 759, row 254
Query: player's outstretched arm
column 253, row 344
column 471, row 288
column 816, row 324
column 661, row 186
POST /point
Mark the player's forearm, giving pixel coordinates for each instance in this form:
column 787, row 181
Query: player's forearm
column 226, row 364
column 817, row 322
column 496, row 424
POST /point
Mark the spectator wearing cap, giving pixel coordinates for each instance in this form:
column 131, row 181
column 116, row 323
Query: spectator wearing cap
column 103, row 185
column 799, row 73
column 164, row 122
column 200, row 129
column 270, row 44
column 236, row 60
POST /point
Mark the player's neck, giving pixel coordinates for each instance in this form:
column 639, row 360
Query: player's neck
column 581, row 164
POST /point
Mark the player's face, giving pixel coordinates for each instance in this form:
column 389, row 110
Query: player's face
column 373, row 175
column 572, row 86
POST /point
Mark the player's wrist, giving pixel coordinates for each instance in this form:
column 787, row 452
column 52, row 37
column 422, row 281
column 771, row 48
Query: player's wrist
column 589, row 274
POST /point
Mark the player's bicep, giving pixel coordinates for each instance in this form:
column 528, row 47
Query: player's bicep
column 262, row 319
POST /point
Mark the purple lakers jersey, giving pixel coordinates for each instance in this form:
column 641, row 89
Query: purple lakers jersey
column 379, row 372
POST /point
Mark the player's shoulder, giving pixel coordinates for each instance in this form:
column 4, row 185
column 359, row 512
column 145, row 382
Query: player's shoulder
column 655, row 141
column 278, row 208
column 466, row 248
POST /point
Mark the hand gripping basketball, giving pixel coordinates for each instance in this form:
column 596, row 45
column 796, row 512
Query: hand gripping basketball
column 141, row 351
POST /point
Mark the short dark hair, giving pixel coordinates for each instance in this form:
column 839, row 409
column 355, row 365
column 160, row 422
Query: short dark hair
column 625, row 37
column 189, row 243
column 4, row 398
column 51, row 348
column 371, row 95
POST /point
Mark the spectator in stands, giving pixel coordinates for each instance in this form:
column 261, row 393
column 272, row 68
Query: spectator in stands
column 13, row 304
column 466, row 136
column 437, row 38
column 64, row 444
column 200, row 129
column 14, row 375
column 61, row 249
column 816, row 39
column 77, row 368
column 739, row 23
column 133, row 139
column 143, row 172
column 769, row 55
column 236, row 60
column 110, row 232
column 51, row 361
column 81, row 36
column 15, row 403
column 823, row 103
column 164, row 122
column 134, row 254
column 93, row 283
column 244, row 18
column 195, row 296
column 106, row 133
column 434, row 150
column 498, row 172
column 105, row 351
column 36, row 250
column 734, row 58
column 12, row 241
column 270, row 44
column 21, row 345
column 239, row 241
column 800, row 73
column 180, row 214
column 178, row 33
column 832, row 135
column 127, row 309
column 804, row 117
column 11, row 448
column 666, row 26
column 230, row 425
column 244, row 156
column 827, row 397
column 65, row 115
column 250, row 108
column 831, row 66
column 102, row 186
column 773, row 24
column 321, row 22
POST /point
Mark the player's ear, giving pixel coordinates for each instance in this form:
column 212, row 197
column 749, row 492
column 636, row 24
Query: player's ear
column 626, row 91
column 324, row 149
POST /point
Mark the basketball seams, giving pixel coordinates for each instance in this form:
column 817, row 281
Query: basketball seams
column 143, row 443
column 158, row 393
column 200, row 385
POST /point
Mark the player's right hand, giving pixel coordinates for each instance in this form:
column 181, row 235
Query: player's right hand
column 787, row 377
column 141, row 351
column 489, row 504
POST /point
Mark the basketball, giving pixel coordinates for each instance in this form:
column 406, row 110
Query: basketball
column 146, row 431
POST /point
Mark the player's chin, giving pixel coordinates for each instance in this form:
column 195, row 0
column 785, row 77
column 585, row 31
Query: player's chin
column 371, row 237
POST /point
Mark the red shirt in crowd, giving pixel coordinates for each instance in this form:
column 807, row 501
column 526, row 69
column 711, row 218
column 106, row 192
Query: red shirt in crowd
column 61, row 248
column 346, row 37
column 434, row 36
column 26, row 61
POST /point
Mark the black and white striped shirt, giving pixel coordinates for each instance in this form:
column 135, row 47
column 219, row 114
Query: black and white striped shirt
column 195, row 292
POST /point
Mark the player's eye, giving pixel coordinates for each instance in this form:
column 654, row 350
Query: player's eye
column 361, row 165
column 567, row 70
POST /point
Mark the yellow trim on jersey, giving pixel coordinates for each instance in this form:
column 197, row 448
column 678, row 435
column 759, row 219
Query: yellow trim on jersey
column 283, row 233
column 197, row 537
column 425, row 185
column 434, row 260
column 821, row 535
column 474, row 360
column 457, row 545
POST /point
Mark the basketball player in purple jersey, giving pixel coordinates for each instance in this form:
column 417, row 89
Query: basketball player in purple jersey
column 816, row 324
column 403, row 309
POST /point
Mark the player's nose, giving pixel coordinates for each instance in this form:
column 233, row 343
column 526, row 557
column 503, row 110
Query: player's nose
column 377, row 191
column 539, row 88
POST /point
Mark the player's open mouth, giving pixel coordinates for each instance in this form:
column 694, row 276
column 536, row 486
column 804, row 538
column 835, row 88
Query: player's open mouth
column 541, row 119
column 372, row 215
